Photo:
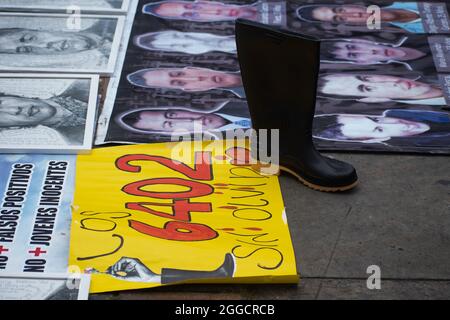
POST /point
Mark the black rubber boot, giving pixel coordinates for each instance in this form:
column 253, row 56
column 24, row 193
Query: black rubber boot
column 226, row 270
column 279, row 70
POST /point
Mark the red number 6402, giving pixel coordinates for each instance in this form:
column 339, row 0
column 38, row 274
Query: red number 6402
column 182, row 230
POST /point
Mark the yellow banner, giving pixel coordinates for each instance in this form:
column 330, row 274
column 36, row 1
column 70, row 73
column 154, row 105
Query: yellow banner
column 159, row 214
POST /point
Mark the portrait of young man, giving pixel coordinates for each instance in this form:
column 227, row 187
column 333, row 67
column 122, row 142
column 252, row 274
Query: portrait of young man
column 189, row 79
column 413, row 52
column 185, row 42
column 201, row 10
column 41, row 43
column 66, row 112
column 396, row 127
column 398, row 15
column 168, row 121
column 379, row 88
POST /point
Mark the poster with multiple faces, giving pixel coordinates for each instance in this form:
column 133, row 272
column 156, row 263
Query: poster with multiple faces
column 383, row 86
column 52, row 53
column 385, row 89
column 181, row 71
column 64, row 6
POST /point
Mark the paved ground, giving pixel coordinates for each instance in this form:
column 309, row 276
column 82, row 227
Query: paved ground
column 398, row 218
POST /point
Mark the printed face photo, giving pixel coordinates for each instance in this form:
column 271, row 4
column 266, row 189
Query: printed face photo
column 201, row 11
column 42, row 42
column 342, row 14
column 47, row 111
column 352, row 14
column 366, row 52
column 187, row 42
column 46, row 286
column 361, row 127
column 171, row 120
column 186, row 79
column 368, row 128
column 19, row 111
column 377, row 87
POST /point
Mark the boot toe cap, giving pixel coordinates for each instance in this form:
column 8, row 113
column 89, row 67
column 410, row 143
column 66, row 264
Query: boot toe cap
column 343, row 173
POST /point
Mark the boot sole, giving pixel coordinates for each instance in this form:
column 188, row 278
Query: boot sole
column 319, row 187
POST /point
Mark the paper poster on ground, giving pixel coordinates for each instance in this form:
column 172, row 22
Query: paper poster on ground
column 159, row 214
column 35, row 213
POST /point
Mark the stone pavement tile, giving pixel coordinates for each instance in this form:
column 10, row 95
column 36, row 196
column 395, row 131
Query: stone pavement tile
column 308, row 289
column 398, row 218
column 179, row 292
column 216, row 292
column 311, row 289
column 312, row 218
column 169, row 295
column 390, row 290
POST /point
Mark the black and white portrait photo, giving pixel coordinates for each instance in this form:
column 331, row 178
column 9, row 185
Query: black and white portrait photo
column 59, row 43
column 54, row 113
column 64, row 6
column 48, row 286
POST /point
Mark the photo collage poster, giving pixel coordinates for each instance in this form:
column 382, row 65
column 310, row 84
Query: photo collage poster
column 62, row 6
column 54, row 55
column 386, row 89
column 181, row 68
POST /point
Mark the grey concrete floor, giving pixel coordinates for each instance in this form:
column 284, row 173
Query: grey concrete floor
column 397, row 218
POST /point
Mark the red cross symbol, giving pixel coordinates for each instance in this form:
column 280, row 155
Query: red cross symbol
column 37, row 252
column 3, row 249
